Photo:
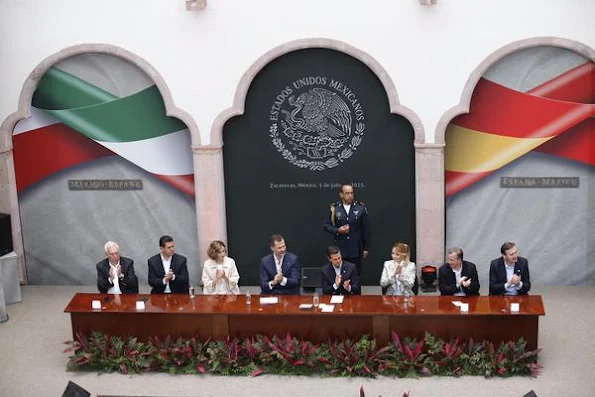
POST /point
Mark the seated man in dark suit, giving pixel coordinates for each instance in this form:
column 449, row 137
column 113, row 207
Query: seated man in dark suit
column 168, row 273
column 339, row 277
column 509, row 274
column 115, row 274
column 280, row 270
column 458, row 277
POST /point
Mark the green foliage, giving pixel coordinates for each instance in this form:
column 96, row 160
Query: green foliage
column 406, row 358
column 443, row 358
column 355, row 358
column 288, row 355
column 105, row 353
column 292, row 356
column 227, row 358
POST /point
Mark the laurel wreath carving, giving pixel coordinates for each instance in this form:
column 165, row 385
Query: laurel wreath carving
column 317, row 165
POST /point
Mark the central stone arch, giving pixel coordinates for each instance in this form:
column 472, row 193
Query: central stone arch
column 213, row 200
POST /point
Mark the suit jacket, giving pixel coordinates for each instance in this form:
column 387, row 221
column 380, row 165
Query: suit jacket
column 498, row 276
column 358, row 239
column 447, row 282
column 348, row 272
column 290, row 269
column 156, row 274
column 128, row 284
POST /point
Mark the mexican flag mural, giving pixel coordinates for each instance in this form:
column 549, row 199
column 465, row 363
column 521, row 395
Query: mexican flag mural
column 99, row 160
column 521, row 167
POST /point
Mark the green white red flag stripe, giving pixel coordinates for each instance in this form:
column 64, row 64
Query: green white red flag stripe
column 134, row 127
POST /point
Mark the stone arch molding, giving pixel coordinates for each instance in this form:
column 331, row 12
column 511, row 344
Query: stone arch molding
column 8, row 192
column 239, row 100
column 437, row 170
column 463, row 106
column 24, row 106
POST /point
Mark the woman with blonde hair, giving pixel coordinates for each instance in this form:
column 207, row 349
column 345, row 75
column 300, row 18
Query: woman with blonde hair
column 398, row 274
column 219, row 273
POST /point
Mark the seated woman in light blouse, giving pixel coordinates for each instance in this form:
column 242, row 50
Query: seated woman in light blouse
column 219, row 273
column 398, row 274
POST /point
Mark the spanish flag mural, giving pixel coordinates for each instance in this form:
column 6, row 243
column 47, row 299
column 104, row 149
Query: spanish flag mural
column 520, row 166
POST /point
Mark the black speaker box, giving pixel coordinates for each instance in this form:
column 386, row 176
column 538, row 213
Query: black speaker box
column 530, row 394
column 311, row 277
column 74, row 390
column 5, row 234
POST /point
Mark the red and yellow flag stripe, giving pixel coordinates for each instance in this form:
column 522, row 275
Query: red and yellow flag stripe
column 503, row 125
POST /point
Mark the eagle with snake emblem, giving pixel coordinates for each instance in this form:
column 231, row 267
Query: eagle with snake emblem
column 319, row 125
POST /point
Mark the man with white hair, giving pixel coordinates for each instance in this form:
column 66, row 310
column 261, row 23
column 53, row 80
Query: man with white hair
column 115, row 274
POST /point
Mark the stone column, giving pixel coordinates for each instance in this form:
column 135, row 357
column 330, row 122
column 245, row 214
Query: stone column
column 9, row 203
column 429, row 193
column 210, row 196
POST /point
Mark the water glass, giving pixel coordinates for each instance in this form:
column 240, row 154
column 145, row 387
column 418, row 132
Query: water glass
column 248, row 298
column 192, row 292
column 315, row 299
column 406, row 295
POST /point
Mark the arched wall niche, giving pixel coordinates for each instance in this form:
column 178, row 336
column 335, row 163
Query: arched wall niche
column 463, row 107
column 480, row 70
column 212, row 203
column 8, row 191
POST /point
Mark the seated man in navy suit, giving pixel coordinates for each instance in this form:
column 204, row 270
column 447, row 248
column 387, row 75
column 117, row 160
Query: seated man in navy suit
column 168, row 272
column 280, row 270
column 458, row 277
column 509, row 274
column 339, row 277
column 115, row 274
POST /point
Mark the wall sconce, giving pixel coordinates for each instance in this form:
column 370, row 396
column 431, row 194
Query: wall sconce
column 196, row 5
column 428, row 2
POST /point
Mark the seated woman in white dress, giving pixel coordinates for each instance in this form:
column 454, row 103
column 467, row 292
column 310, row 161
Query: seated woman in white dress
column 219, row 273
column 398, row 274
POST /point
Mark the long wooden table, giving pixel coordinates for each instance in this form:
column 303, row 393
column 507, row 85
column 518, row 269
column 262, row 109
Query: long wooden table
column 216, row 317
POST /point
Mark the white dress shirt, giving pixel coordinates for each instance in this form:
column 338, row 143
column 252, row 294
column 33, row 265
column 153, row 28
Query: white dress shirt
column 166, row 267
column 116, row 281
column 457, row 273
column 511, row 289
column 279, row 265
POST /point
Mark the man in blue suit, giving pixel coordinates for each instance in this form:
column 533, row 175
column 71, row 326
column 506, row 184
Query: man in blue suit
column 339, row 277
column 349, row 223
column 280, row 270
column 509, row 274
